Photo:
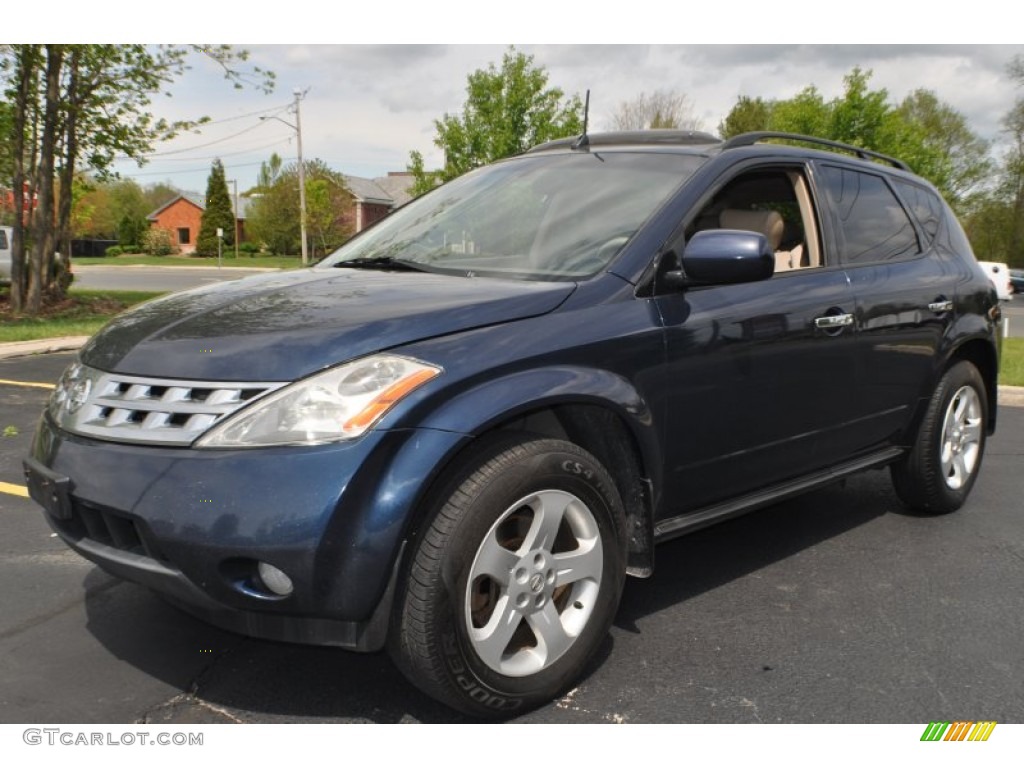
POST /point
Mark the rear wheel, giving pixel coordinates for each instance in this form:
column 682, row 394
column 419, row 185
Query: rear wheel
column 939, row 472
column 516, row 580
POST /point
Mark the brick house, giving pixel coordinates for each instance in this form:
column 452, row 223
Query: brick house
column 373, row 199
column 182, row 217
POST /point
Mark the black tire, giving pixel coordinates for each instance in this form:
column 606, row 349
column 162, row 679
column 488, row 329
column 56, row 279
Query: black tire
column 485, row 562
column 937, row 475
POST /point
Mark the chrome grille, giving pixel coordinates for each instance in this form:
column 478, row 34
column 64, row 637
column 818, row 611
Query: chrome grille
column 135, row 409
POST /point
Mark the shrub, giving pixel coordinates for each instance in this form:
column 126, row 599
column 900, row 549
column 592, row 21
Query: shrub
column 248, row 248
column 112, row 251
column 157, row 242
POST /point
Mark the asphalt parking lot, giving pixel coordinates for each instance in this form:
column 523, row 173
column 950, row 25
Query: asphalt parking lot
column 834, row 608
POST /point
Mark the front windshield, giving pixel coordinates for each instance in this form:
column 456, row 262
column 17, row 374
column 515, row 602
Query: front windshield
column 541, row 217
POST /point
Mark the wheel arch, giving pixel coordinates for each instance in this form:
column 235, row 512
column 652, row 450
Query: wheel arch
column 982, row 355
column 977, row 349
column 596, row 410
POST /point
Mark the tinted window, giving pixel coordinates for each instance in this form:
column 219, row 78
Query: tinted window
column 925, row 206
column 3, row 240
column 872, row 224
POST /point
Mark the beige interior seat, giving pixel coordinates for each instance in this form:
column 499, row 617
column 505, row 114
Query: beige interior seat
column 769, row 224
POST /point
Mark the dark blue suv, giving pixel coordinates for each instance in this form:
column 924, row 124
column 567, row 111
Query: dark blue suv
column 457, row 435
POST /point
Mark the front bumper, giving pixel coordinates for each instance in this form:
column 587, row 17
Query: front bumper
column 192, row 525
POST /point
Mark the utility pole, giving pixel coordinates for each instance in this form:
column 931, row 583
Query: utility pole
column 302, row 179
column 302, row 170
column 234, row 182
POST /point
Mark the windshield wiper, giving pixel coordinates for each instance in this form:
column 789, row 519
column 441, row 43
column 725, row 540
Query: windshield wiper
column 383, row 262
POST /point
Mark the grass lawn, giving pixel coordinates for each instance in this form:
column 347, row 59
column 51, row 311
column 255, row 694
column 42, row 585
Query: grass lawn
column 1012, row 369
column 275, row 262
column 82, row 313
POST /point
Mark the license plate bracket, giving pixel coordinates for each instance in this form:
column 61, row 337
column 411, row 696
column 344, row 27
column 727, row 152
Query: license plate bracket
column 48, row 489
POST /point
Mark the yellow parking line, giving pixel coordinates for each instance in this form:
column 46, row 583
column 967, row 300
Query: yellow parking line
column 39, row 384
column 14, row 490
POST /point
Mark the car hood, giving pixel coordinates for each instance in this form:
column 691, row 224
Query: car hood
column 282, row 326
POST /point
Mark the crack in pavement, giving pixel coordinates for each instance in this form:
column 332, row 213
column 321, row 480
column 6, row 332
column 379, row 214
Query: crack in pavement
column 191, row 697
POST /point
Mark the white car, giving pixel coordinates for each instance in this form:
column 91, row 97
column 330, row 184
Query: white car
column 999, row 274
column 6, row 238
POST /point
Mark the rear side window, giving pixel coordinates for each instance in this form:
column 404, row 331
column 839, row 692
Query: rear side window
column 3, row 240
column 924, row 204
column 872, row 224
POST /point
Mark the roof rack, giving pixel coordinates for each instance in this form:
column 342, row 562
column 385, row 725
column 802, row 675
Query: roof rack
column 637, row 138
column 748, row 139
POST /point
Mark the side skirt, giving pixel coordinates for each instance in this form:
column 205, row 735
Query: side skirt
column 702, row 518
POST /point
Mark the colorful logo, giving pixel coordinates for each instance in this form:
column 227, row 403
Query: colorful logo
column 959, row 731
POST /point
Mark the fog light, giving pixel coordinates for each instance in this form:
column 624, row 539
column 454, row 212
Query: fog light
column 275, row 579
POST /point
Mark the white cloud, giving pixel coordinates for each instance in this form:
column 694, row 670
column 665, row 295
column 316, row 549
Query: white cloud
column 368, row 106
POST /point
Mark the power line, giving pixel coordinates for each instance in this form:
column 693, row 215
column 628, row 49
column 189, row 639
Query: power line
column 202, row 146
column 180, row 171
column 277, row 109
column 274, row 143
column 199, row 146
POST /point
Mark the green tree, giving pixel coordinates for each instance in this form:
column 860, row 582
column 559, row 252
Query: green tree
column 6, row 160
column 1012, row 181
column 423, row 180
column 806, row 113
column 92, row 213
column 269, row 171
column 100, row 206
column 127, row 199
column 747, row 114
column 961, row 156
column 927, row 134
column 158, row 194
column 507, row 111
column 989, row 225
column 218, row 214
column 130, row 230
column 88, row 104
column 273, row 214
column 995, row 222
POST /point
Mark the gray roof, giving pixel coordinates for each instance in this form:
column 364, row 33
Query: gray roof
column 397, row 187
column 243, row 204
column 384, row 190
column 367, row 190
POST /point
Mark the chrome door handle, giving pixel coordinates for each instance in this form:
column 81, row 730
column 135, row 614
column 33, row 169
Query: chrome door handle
column 833, row 321
column 941, row 306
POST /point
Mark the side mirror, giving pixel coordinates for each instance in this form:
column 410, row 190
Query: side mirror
column 724, row 256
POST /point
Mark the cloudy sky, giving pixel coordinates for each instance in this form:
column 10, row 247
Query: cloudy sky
column 367, row 106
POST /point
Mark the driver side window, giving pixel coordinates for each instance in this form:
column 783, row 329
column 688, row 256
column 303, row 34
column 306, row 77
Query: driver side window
column 774, row 202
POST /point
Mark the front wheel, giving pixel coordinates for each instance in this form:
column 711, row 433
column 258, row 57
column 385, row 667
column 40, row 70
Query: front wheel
column 939, row 472
column 516, row 580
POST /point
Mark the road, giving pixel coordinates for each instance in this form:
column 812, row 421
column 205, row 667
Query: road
column 143, row 278
column 835, row 608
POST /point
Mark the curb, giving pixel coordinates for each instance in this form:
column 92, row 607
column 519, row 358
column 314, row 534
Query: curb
column 1011, row 396
column 1008, row 396
column 41, row 346
column 87, row 267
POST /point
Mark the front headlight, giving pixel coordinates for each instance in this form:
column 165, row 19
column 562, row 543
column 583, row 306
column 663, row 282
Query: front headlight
column 338, row 404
